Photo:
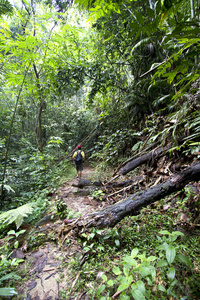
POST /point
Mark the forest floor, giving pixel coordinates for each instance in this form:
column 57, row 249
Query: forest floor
column 47, row 271
column 49, row 268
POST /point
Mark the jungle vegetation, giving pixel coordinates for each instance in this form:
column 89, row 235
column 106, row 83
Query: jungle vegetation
column 116, row 76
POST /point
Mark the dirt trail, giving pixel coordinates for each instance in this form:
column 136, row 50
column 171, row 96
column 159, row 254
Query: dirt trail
column 79, row 200
column 47, row 269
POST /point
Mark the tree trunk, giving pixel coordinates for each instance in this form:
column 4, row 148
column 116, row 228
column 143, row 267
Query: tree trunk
column 113, row 214
column 40, row 127
column 143, row 159
column 38, row 131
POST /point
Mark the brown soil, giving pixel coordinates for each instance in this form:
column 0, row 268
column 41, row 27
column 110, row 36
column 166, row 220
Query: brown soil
column 48, row 274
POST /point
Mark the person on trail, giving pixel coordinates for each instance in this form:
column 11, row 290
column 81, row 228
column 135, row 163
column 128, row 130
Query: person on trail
column 79, row 157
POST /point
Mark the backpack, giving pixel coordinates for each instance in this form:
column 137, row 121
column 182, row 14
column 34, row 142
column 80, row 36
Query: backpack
column 78, row 158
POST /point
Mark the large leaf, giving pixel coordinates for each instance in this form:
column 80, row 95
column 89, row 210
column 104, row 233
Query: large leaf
column 17, row 215
column 9, row 276
column 138, row 295
column 170, row 254
column 130, row 261
column 183, row 259
column 171, row 273
column 7, row 291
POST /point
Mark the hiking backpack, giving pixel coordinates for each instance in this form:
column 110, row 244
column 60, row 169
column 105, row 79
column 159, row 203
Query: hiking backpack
column 78, row 158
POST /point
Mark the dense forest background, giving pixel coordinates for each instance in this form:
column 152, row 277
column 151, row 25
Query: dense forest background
column 118, row 77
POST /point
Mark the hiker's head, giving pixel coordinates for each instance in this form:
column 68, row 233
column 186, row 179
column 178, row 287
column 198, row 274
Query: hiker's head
column 79, row 147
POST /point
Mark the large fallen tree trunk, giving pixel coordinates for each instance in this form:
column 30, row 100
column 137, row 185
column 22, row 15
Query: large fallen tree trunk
column 143, row 159
column 113, row 214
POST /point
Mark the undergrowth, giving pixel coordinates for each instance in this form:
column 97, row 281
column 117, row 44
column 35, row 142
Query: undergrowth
column 154, row 255
column 19, row 209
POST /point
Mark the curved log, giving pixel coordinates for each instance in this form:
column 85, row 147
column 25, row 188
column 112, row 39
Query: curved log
column 143, row 159
column 113, row 214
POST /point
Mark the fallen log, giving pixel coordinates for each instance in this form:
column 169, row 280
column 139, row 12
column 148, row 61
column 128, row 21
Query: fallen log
column 84, row 183
column 143, row 159
column 113, row 214
column 132, row 158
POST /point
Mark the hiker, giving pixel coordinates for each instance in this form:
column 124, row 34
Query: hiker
column 79, row 157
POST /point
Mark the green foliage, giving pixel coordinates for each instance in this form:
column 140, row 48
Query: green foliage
column 7, row 277
column 157, row 252
column 61, row 207
column 7, row 265
column 98, row 194
column 5, row 7
column 134, row 76
column 17, row 215
column 110, row 147
column 137, row 273
column 7, row 291
column 12, row 233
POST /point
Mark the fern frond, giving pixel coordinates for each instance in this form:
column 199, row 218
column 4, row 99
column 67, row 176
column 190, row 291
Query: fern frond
column 17, row 215
column 195, row 126
column 5, row 7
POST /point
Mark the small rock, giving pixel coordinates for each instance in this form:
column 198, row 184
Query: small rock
column 17, row 253
column 38, row 254
column 31, row 285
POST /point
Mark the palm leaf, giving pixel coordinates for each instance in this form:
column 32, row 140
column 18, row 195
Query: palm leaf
column 17, row 215
column 140, row 43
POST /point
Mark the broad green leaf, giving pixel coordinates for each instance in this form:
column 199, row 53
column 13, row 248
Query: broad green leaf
column 117, row 271
column 16, row 244
column 7, row 291
column 162, row 263
column 164, row 232
column 138, row 32
column 145, row 271
column 126, row 271
column 177, row 233
column 151, row 258
column 141, row 286
column 20, row 232
column 183, row 259
column 100, row 289
column 110, row 282
column 9, row 276
column 104, row 277
column 117, row 242
column 130, row 260
column 11, row 232
column 171, row 273
column 170, row 254
column 134, row 252
column 125, row 283
column 123, row 286
column 138, row 295
column 161, row 288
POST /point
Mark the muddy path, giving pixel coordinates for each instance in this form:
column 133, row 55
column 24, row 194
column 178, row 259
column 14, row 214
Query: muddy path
column 48, row 274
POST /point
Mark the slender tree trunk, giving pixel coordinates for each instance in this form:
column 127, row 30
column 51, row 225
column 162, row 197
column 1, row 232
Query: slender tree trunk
column 38, row 126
